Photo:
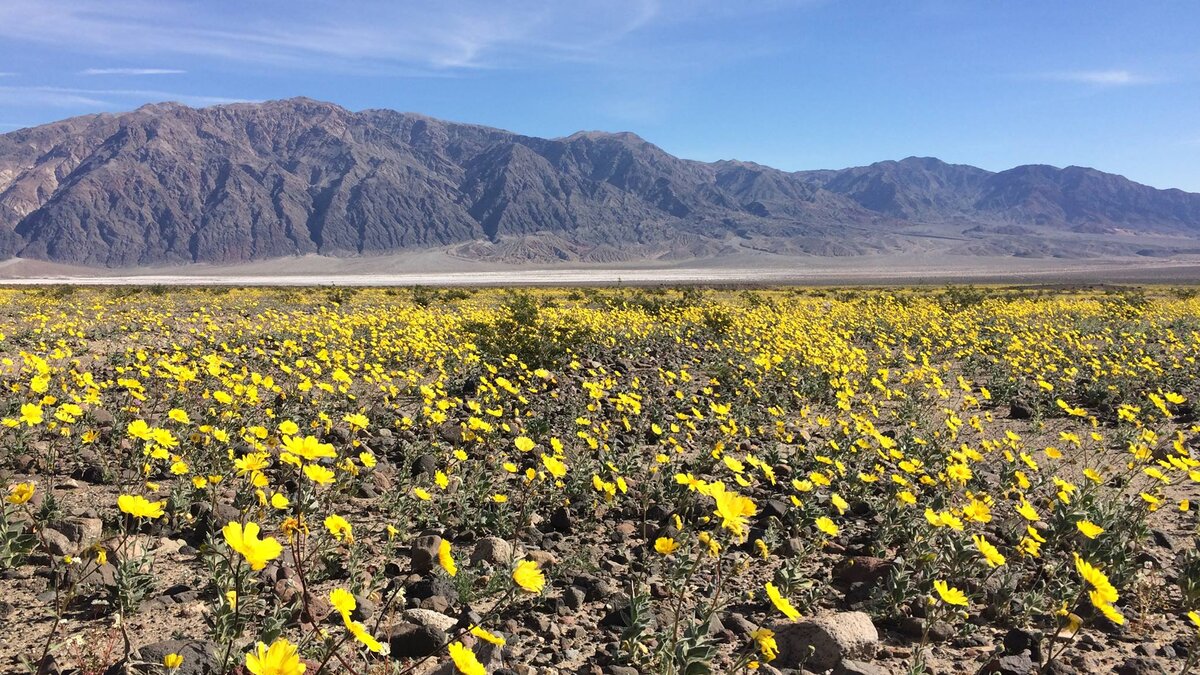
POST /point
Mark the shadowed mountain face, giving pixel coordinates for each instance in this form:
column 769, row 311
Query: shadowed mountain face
column 171, row 184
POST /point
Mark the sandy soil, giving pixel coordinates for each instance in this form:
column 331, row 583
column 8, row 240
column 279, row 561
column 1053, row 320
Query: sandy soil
column 439, row 268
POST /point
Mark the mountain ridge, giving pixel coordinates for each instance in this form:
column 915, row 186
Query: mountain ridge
column 171, row 184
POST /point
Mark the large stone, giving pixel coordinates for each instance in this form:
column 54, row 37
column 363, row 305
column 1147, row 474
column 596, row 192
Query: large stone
column 1018, row 640
column 103, row 417
column 1011, row 664
column 915, row 627
column 430, row 618
column 1140, row 665
column 437, row 603
column 861, row 569
column 830, row 638
column 409, row 640
column 199, row 657
column 424, row 552
column 83, row 532
column 544, row 559
column 562, row 520
column 316, row 608
column 58, row 543
column 92, row 577
column 1019, row 409
column 492, row 550
column 852, row 667
column 428, row 588
column 364, row 608
column 738, row 624
column 127, row 548
column 425, row 465
column 208, row 520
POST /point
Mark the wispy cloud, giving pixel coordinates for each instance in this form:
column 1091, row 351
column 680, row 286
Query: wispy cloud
column 131, row 71
column 1099, row 78
column 36, row 96
column 103, row 99
column 378, row 35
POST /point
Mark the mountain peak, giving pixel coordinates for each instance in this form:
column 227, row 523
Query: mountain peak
column 248, row 181
column 622, row 136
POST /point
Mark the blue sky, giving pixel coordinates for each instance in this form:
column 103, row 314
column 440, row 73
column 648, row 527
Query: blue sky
column 795, row 84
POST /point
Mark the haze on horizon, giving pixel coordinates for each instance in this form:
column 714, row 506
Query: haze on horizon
column 798, row 84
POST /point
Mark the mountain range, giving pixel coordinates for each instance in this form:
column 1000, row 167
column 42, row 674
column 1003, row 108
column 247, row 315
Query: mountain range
column 170, row 184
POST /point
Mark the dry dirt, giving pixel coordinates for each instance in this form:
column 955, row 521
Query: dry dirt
column 440, row 268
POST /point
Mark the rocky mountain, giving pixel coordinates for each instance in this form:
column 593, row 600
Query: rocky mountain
column 168, row 184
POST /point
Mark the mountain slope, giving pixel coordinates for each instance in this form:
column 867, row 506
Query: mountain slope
column 171, row 184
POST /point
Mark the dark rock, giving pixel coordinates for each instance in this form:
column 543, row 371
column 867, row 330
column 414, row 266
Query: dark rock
column 595, row 587
column 58, row 543
column 618, row 617
column 852, row 667
column 90, row 471
column 738, row 624
column 176, row 589
column 428, row 588
column 1161, row 539
column 1012, row 664
column 199, row 658
column 1018, row 640
column 861, row 569
column 793, row 546
column 574, row 597
column 469, row 617
column 562, row 520
column 424, row 552
column 425, row 465
column 89, row 575
column 451, row 432
column 1181, row 647
column 208, row 521
column 774, row 508
column 539, row 623
column 972, row 640
column 1019, row 409
column 1140, row 665
column 364, row 608
column 409, row 640
column 914, row 627
column 316, row 608
column 435, row 603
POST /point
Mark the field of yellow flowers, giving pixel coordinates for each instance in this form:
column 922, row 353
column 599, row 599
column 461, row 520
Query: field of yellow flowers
column 680, row 481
